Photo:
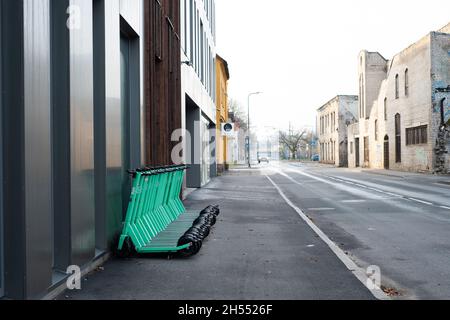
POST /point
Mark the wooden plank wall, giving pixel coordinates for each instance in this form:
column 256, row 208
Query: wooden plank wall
column 162, row 79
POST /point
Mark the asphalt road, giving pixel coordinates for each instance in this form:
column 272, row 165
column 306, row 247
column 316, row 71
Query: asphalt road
column 260, row 249
column 399, row 222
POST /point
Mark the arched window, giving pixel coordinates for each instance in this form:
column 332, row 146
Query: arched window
column 385, row 109
column 398, row 139
column 397, row 86
column 376, row 130
column 361, row 96
column 406, row 82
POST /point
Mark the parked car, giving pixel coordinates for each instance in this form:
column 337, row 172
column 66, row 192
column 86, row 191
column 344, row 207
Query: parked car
column 263, row 159
column 315, row 157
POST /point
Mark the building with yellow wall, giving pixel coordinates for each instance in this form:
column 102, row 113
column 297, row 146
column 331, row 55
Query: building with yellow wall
column 222, row 77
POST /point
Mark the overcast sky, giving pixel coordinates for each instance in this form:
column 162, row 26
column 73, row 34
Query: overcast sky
column 303, row 53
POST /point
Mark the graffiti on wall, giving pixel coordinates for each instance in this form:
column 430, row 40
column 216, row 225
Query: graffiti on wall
column 441, row 98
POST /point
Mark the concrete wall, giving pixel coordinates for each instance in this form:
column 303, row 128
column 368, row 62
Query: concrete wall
column 348, row 113
column 372, row 71
column 414, row 108
column 328, row 120
column 353, row 133
column 372, row 68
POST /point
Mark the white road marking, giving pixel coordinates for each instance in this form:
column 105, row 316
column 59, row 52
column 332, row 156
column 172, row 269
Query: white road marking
column 353, row 201
column 358, row 272
column 391, row 194
column 337, row 184
column 421, row 201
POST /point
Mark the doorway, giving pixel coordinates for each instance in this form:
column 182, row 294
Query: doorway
column 386, row 152
column 125, row 107
column 130, row 107
column 357, row 155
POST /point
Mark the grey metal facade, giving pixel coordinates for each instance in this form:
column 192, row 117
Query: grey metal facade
column 66, row 139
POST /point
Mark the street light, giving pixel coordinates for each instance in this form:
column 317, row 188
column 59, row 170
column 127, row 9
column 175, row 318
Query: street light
column 249, row 134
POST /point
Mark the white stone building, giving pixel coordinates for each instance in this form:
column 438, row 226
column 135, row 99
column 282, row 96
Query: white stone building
column 404, row 108
column 332, row 121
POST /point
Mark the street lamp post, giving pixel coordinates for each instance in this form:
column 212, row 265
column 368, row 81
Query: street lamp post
column 249, row 132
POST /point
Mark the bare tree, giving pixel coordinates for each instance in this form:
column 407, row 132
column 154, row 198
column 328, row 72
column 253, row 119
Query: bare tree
column 239, row 115
column 292, row 141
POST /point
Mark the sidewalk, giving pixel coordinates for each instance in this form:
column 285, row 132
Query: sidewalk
column 392, row 173
column 406, row 174
column 260, row 249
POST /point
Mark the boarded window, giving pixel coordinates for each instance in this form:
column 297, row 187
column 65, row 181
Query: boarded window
column 417, row 135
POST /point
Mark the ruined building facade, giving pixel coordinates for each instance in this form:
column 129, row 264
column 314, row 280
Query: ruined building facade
column 403, row 115
column 332, row 121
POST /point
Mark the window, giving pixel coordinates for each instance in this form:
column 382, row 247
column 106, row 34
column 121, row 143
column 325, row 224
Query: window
column 406, row 82
column 191, row 31
column 321, row 125
column 332, row 122
column 361, row 97
column 376, row 130
column 417, row 135
column 202, row 53
column 398, row 139
column 385, row 110
column 397, row 86
column 184, row 25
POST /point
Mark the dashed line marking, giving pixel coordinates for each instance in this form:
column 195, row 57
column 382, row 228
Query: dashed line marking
column 398, row 196
column 421, row 201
